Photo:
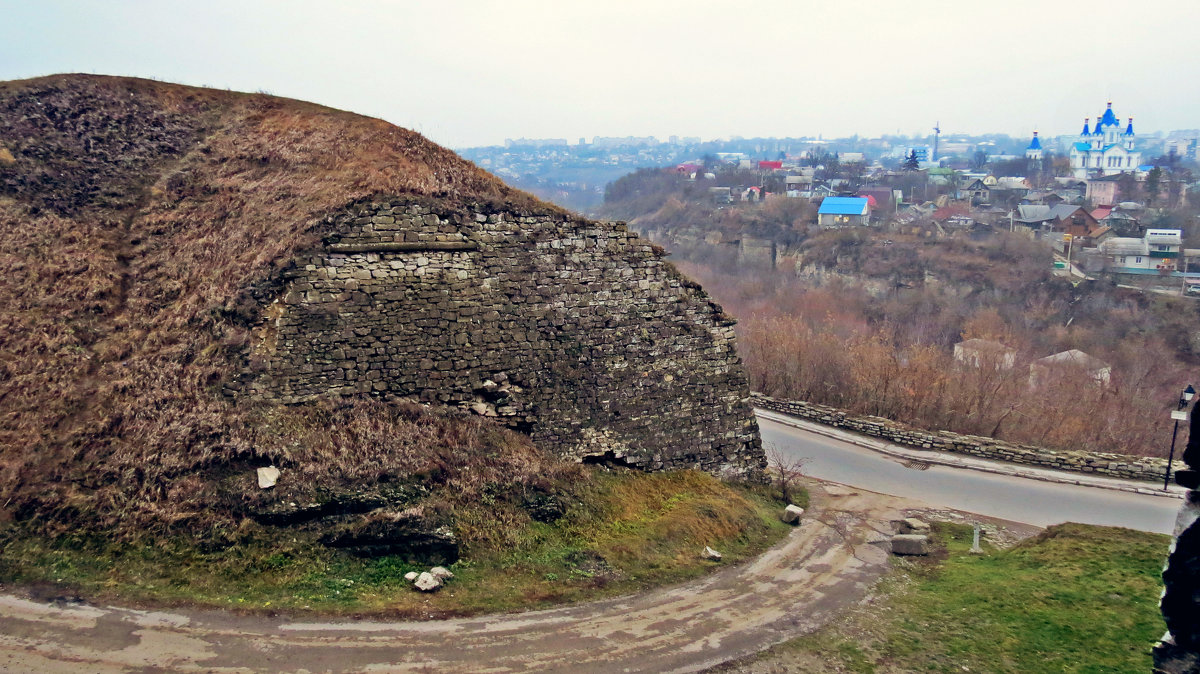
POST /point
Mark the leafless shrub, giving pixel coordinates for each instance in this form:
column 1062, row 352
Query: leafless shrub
column 785, row 471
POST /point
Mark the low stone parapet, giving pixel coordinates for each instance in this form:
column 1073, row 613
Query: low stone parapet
column 1095, row 463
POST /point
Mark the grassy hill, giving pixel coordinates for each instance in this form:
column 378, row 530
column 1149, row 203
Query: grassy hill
column 136, row 218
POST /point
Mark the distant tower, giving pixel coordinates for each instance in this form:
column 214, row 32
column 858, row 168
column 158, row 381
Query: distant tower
column 1034, row 154
column 937, row 134
column 1034, row 151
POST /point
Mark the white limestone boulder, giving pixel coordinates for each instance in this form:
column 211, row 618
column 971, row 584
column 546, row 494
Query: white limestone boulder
column 792, row 514
column 267, row 477
column 427, row 582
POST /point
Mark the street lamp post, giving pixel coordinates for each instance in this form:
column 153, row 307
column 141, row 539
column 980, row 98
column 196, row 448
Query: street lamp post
column 1178, row 414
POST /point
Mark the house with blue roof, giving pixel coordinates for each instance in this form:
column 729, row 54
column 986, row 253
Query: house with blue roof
column 844, row 212
column 1105, row 150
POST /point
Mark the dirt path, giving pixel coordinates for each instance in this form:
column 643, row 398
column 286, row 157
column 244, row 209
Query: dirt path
column 826, row 564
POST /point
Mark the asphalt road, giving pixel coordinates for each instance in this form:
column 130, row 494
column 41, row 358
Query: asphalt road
column 1002, row 496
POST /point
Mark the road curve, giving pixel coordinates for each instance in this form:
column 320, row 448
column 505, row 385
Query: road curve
column 824, row 565
column 995, row 495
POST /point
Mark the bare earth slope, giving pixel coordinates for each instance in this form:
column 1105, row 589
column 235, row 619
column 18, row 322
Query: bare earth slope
column 131, row 214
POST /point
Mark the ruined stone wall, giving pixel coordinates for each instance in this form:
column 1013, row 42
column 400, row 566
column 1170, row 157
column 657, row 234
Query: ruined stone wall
column 577, row 332
column 1099, row 463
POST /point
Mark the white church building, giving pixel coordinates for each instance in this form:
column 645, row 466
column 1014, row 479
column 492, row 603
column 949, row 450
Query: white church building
column 1105, row 150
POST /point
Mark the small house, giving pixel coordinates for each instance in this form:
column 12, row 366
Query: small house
column 985, row 353
column 1066, row 363
column 977, row 192
column 1156, row 252
column 844, row 212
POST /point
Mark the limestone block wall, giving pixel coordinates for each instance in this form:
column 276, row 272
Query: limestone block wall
column 577, row 332
column 1099, row 463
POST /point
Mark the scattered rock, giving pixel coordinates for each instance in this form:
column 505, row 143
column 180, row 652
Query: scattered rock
column 427, row 582
column 709, row 553
column 912, row 525
column 411, row 576
column 441, row 573
column 267, row 477
column 910, row 544
column 792, row 514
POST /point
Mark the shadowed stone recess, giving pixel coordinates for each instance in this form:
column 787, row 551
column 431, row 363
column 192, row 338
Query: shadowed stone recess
column 573, row 331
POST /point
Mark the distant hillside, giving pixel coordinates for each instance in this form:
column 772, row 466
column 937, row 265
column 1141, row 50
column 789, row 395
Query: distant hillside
column 867, row 318
column 139, row 220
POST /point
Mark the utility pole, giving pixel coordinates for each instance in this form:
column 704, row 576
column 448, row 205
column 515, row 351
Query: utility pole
column 1183, row 254
column 1070, row 244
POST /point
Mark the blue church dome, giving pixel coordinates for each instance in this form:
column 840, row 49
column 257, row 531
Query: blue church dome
column 1109, row 119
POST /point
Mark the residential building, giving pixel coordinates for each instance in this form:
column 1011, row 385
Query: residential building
column 1067, row 363
column 1065, row 218
column 844, row 212
column 1102, row 191
column 985, row 353
column 885, row 198
column 977, row 192
column 1156, row 252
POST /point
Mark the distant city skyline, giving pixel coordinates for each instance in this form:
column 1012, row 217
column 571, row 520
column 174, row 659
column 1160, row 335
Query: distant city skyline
column 474, row 73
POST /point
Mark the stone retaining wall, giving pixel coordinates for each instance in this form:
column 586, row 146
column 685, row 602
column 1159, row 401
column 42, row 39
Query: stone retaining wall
column 574, row 331
column 1099, row 463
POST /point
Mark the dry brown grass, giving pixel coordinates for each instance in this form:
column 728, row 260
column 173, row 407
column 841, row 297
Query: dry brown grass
column 132, row 218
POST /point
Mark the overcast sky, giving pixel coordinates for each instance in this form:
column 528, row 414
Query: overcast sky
column 477, row 72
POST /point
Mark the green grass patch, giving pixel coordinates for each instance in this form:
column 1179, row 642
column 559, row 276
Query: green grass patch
column 622, row 532
column 1076, row 598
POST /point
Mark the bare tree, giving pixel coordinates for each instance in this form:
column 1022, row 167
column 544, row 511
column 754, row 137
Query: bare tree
column 785, row 471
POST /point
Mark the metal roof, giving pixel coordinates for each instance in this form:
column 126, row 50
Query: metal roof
column 1075, row 357
column 1109, row 119
column 1124, row 245
column 843, row 206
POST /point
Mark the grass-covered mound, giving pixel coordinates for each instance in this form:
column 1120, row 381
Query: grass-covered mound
column 133, row 217
column 1076, row 598
column 137, row 221
column 610, row 532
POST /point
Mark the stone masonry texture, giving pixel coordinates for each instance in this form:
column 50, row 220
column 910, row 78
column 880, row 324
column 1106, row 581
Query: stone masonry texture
column 573, row 331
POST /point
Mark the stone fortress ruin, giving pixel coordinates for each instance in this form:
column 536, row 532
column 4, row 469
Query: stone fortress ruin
column 576, row 332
